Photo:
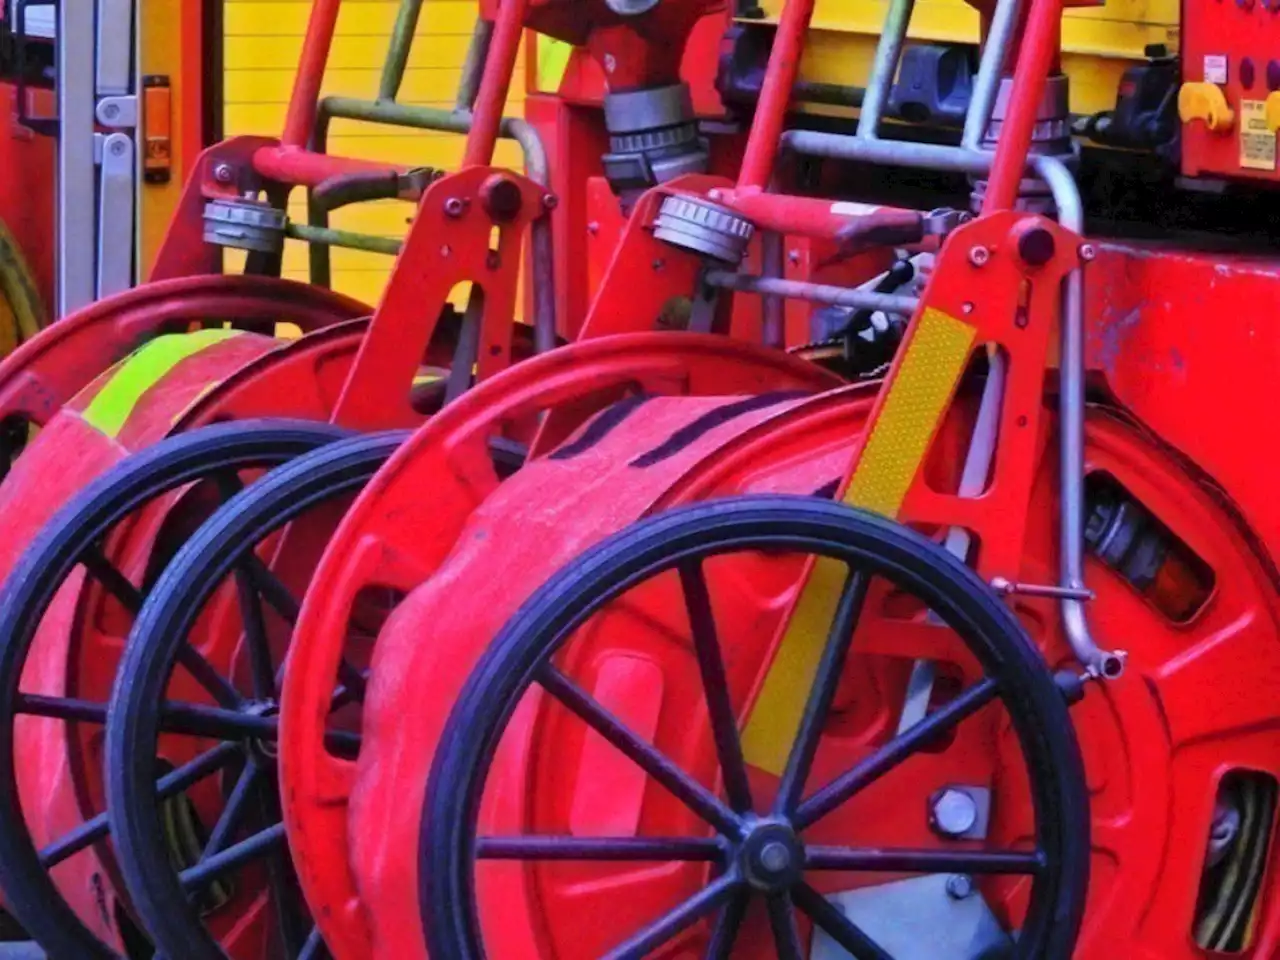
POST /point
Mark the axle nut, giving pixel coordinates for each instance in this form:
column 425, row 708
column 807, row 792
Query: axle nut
column 953, row 813
column 1036, row 246
column 775, row 857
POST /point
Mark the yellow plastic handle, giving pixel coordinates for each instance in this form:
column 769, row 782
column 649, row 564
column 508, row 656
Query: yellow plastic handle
column 1272, row 111
column 1205, row 101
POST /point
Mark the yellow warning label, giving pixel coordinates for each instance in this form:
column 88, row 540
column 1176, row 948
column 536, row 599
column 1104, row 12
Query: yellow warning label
column 1257, row 143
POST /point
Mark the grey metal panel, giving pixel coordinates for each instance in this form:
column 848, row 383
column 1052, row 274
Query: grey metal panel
column 76, row 173
column 115, row 47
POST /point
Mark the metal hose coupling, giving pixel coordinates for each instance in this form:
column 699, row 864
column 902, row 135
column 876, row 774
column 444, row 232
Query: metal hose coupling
column 653, row 137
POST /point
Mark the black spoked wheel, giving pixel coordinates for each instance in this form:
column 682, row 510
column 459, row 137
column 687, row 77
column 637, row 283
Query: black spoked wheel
column 755, row 850
column 245, row 850
column 75, row 543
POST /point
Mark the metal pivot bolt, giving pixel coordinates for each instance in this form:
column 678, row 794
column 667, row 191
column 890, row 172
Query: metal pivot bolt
column 979, row 256
column 223, row 173
column 454, row 207
column 501, row 198
column 953, row 813
column 1036, row 246
column 960, row 886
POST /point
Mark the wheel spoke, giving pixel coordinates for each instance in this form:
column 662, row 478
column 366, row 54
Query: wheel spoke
column 353, row 681
column 925, row 861
column 61, row 708
column 724, row 723
column 655, row 849
column 682, row 917
column 695, row 796
column 99, row 826
column 786, row 935
column 262, row 671
column 72, row 842
column 822, row 693
column 894, row 753
column 200, row 720
column 233, row 814
column 246, row 851
column 272, row 588
column 219, row 723
column 314, row 948
column 193, row 771
column 110, row 576
column 725, row 931
column 202, row 671
column 837, row 926
column 284, row 897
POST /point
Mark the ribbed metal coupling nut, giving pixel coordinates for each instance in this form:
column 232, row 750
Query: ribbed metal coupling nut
column 244, row 224
column 703, row 227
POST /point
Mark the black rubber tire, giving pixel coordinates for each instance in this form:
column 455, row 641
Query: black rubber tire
column 169, row 465
column 787, row 523
column 160, row 629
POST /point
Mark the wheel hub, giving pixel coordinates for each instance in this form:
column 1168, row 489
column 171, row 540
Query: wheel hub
column 771, row 856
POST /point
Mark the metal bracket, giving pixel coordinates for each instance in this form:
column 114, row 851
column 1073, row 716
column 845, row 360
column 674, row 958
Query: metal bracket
column 115, row 215
column 936, row 917
column 1008, row 588
column 118, row 113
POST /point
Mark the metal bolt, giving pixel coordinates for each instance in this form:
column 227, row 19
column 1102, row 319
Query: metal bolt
column 960, row 886
column 223, row 173
column 1088, row 251
column 446, row 250
column 610, row 63
column 111, row 111
column 550, row 201
column 454, row 207
column 715, row 194
column 953, row 814
column 659, row 264
column 593, row 228
column 775, row 857
column 117, row 148
column 966, row 307
column 794, row 257
column 978, row 256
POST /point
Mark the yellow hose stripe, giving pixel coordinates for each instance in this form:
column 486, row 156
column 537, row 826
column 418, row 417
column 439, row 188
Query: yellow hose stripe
column 936, row 356
column 553, row 61
column 137, row 373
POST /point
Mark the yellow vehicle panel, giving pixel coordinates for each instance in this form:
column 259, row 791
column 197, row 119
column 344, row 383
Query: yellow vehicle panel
column 1098, row 42
column 160, row 48
column 262, row 44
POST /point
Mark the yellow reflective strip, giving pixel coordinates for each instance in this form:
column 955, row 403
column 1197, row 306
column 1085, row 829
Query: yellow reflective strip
column 935, row 359
column 133, row 376
column 900, row 437
column 553, row 61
